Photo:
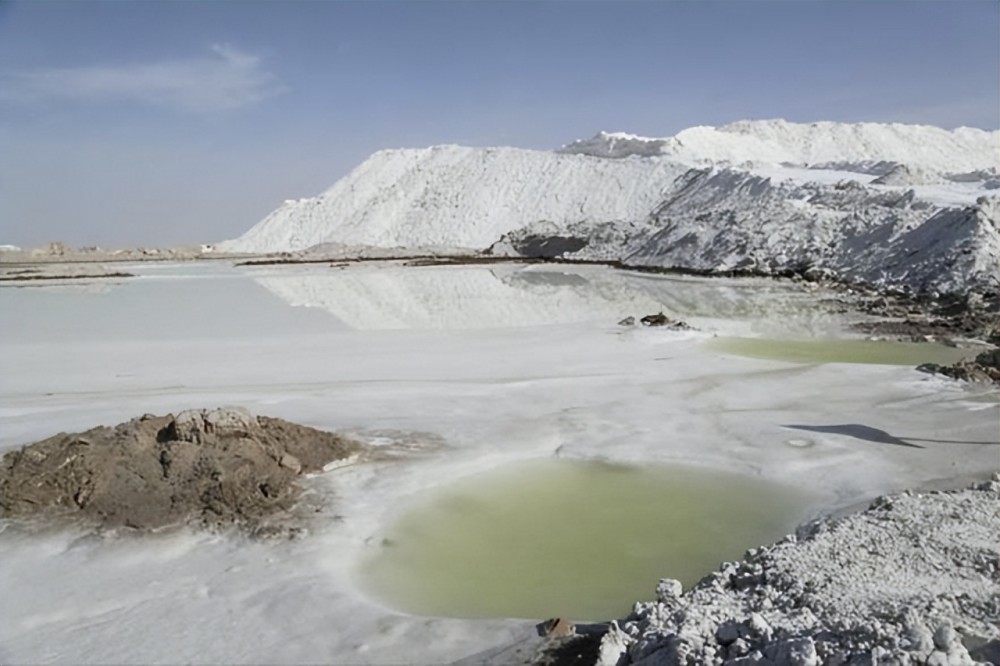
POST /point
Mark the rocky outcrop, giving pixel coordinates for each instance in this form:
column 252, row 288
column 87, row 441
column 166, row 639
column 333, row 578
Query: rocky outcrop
column 985, row 368
column 209, row 468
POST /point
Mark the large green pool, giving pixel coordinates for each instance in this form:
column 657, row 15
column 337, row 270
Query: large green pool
column 565, row 538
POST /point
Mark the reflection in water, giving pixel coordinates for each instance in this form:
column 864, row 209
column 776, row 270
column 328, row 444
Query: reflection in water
column 441, row 297
column 521, row 541
column 165, row 302
column 549, row 279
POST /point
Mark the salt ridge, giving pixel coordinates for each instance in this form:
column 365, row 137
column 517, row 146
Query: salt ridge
column 460, row 197
column 779, row 141
column 611, row 195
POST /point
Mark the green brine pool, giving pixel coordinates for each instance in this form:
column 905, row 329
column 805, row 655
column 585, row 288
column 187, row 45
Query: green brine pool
column 577, row 539
column 885, row 352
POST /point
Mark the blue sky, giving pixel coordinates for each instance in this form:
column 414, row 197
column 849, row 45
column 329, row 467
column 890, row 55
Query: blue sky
column 160, row 123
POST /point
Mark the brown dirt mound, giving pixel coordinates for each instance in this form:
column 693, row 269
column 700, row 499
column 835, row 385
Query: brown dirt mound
column 210, row 468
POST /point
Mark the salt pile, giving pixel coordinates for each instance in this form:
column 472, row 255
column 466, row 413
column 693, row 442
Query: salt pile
column 895, row 206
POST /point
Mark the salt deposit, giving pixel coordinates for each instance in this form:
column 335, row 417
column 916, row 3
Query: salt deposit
column 914, row 579
column 782, row 142
column 894, row 206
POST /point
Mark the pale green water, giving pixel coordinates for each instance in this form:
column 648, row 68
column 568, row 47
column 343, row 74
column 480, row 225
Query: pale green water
column 886, row 352
column 581, row 540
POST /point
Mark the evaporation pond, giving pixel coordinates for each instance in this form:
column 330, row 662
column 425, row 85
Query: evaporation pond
column 582, row 540
column 885, row 352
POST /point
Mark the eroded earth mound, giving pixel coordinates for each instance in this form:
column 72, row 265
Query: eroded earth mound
column 209, row 468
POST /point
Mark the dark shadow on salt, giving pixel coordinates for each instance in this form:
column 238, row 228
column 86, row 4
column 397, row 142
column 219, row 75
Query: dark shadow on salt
column 953, row 441
column 858, row 431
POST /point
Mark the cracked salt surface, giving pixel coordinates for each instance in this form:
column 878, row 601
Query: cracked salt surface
column 540, row 368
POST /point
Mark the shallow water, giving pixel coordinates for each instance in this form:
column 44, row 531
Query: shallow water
column 566, row 538
column 215, row 300
column 885, row 352
column 376, row 296
column 164, row 302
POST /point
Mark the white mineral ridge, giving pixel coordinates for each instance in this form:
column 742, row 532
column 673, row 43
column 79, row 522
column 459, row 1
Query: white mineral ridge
column 723, row 220
column 858, row 211
column 460, row 197
column 781, row 142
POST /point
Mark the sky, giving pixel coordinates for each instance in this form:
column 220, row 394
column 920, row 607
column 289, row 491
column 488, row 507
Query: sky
column 156, row 124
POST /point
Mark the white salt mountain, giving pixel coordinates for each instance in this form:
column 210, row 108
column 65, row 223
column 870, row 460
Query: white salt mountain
column 824, row 143
column 901, row 206
column 461, row 197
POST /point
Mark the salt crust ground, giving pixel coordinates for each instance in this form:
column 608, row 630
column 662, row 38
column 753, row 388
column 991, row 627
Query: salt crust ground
column 496, row 395
column 914, row 579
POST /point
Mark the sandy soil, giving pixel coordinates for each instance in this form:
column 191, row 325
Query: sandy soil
column 211, row 468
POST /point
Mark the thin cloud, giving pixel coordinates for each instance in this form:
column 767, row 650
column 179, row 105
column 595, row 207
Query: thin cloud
column 227, row 79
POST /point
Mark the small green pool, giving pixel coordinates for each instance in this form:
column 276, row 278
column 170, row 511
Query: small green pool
column 582, row 540
column 885, row 352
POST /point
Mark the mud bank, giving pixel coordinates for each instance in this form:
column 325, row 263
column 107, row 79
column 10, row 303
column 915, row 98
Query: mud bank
column 212, row 469
column 16, row 275
column 913, row 579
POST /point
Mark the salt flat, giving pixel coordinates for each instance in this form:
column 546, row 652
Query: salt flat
column 463, row 368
